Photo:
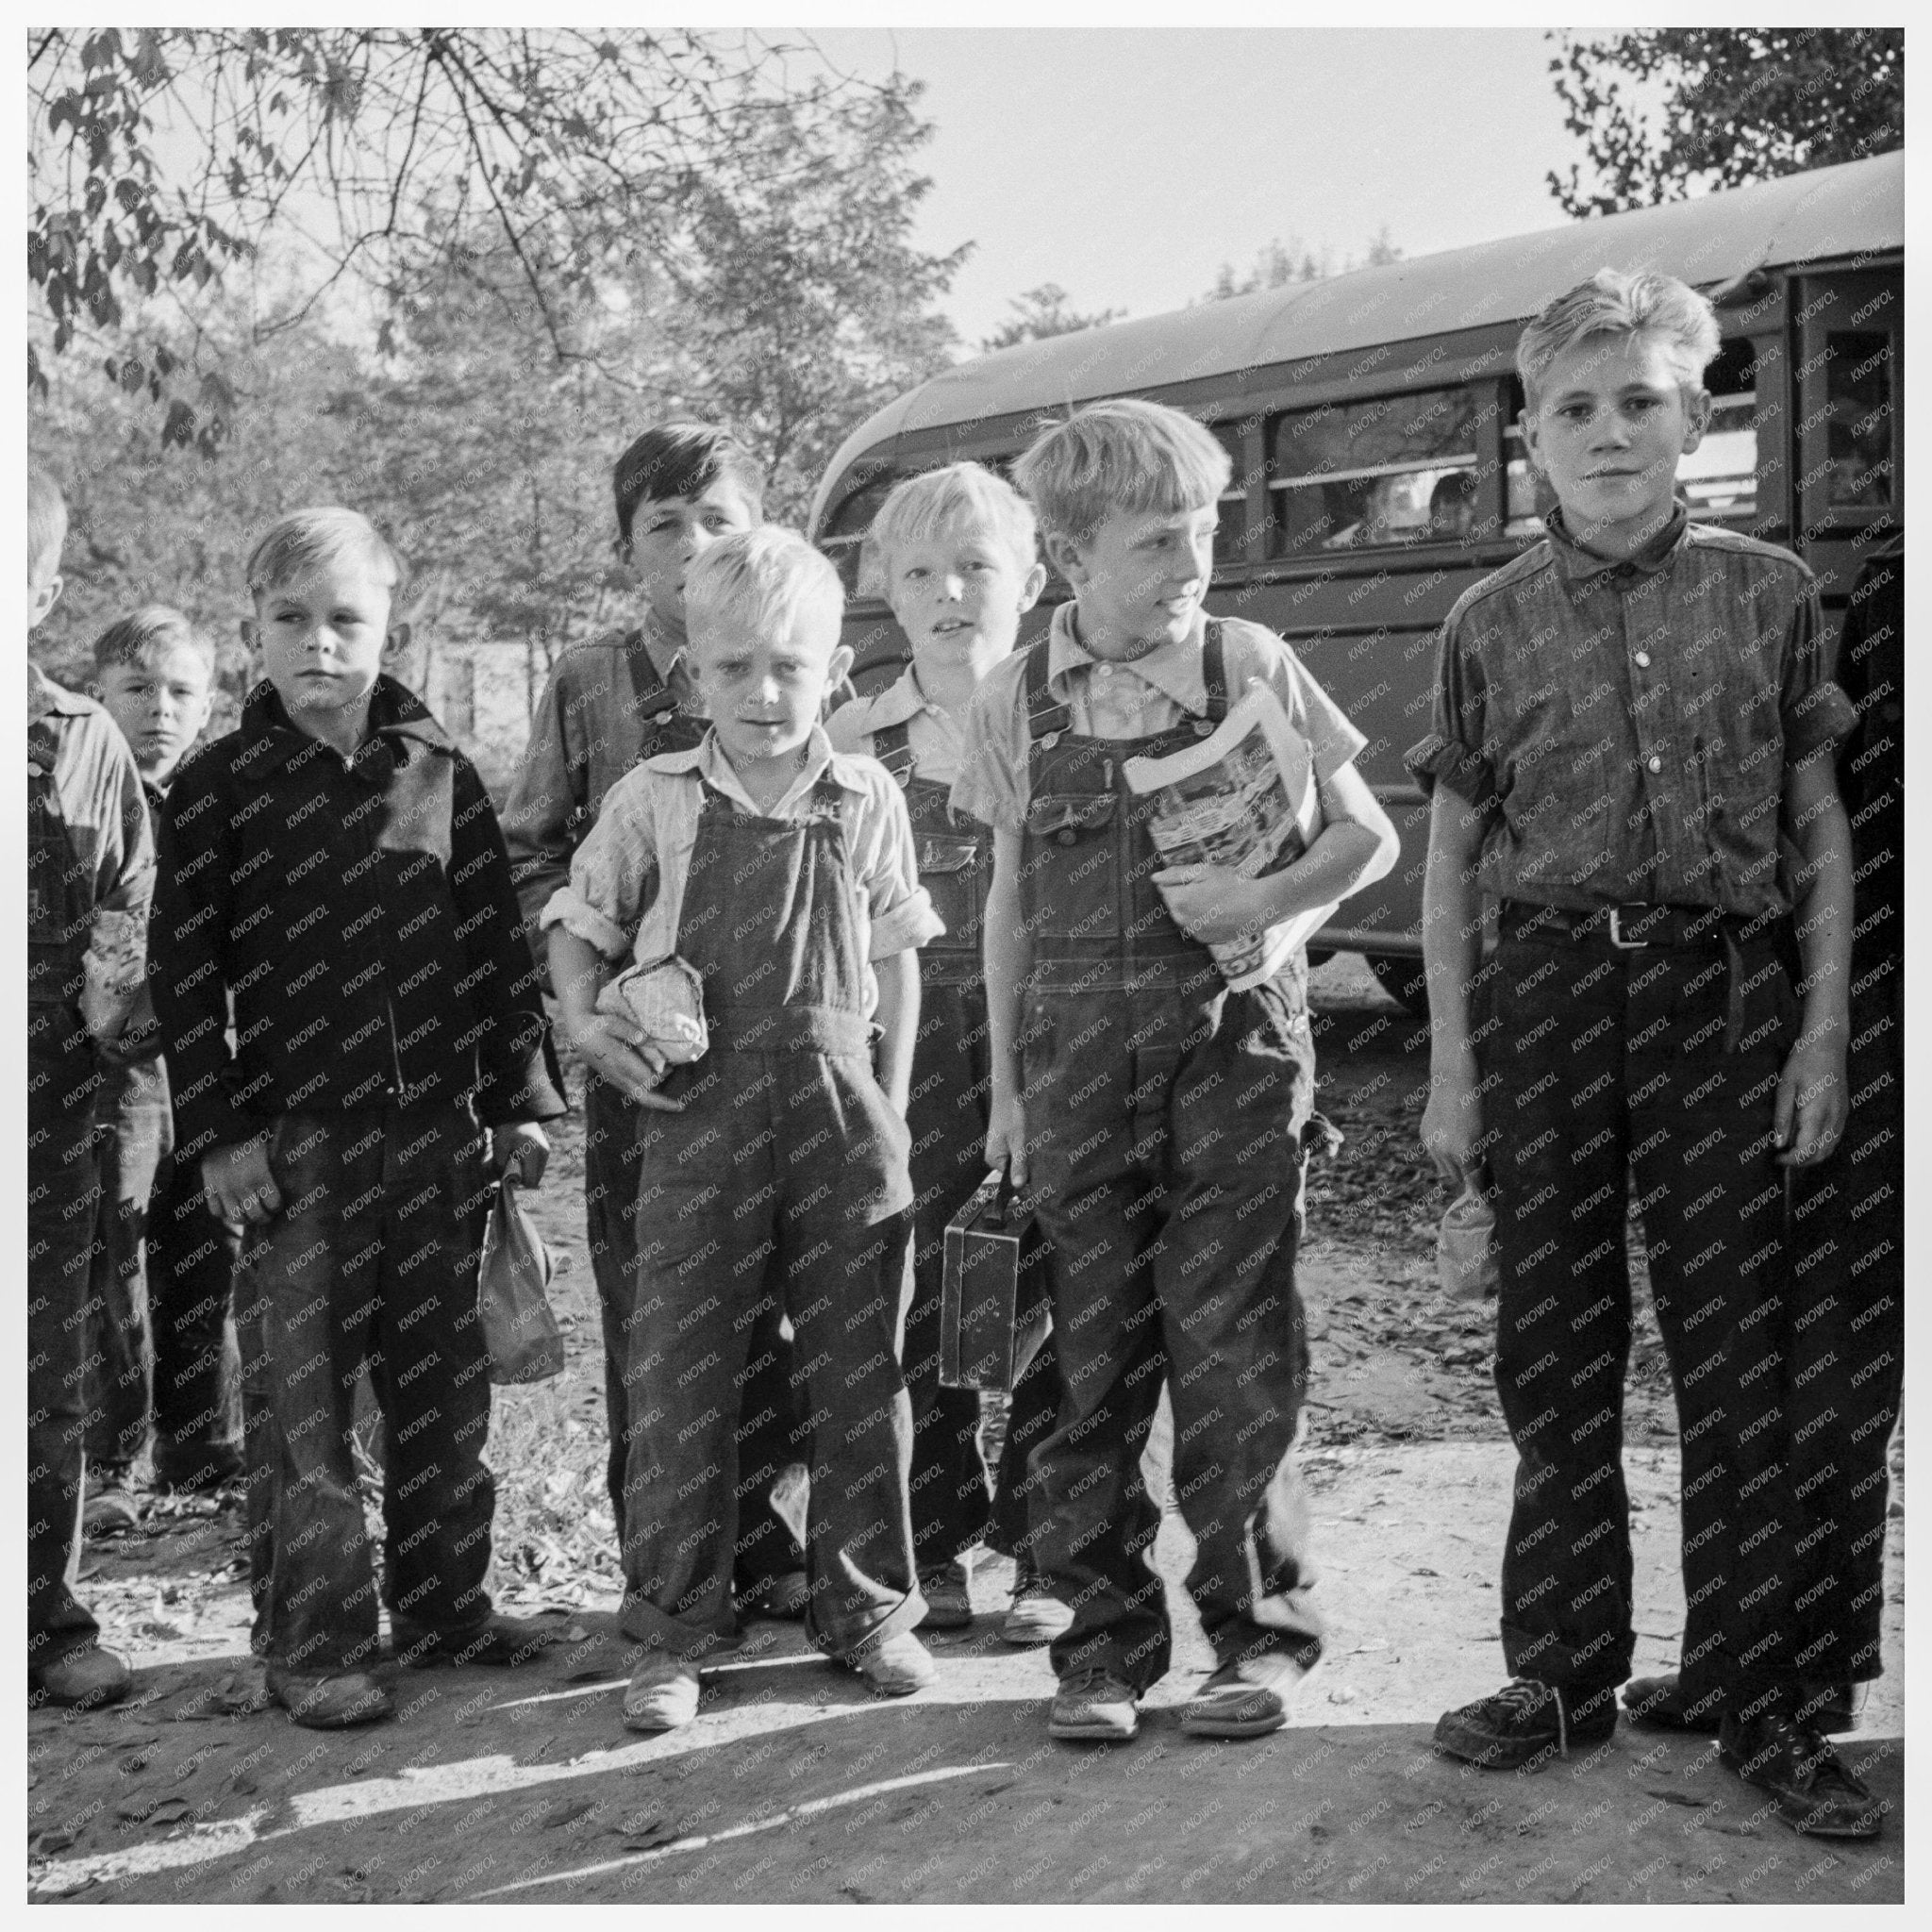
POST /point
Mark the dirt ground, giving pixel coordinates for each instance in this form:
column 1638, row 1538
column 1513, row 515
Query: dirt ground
column 794, row 1785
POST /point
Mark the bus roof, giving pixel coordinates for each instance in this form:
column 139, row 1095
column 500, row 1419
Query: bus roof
column 1855, row 208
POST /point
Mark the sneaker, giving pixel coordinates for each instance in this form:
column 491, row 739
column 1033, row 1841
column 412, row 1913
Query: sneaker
column 948, row 1594
column 496, row 1643
column 1248, row 1697
column 1095, row 1706
column 896, row 1666
column 662, row 1693
column 1655, row 1704
column 1788, row 1757
column 1036, row 1616
column 328, row 1700
column 785, row 1596
column 1525, row 1723
column 84, row 1678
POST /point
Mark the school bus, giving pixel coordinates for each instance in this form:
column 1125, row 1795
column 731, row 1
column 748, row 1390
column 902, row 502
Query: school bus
column 1373, row 419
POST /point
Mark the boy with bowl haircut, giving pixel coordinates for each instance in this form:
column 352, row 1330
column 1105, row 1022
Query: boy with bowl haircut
column 336, row 868
column 609, row 705
column 1158, row 1115
column 1629, row 719
column 89, row 871
column 782, row 874
column 161, row 1270
column 957, row 553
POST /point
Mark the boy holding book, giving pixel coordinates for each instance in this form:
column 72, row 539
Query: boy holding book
column 1156, row 1114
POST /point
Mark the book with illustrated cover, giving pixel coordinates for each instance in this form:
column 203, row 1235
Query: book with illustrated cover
column 1243, row 797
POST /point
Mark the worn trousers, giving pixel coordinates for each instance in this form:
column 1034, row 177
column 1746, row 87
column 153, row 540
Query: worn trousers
column 372, row 1261
column 773, row 1451
column 1598, row 1065
column 1164, row 1132
column 62, row 1199
column 756, row 1196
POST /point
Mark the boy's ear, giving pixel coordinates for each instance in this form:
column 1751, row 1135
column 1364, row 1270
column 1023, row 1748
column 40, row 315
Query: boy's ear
column 397, row 640
column 42, row 598
column 1066, row 556
column 1697, row 408
column 251, row 633
column 838, row 666
column 1030, row 589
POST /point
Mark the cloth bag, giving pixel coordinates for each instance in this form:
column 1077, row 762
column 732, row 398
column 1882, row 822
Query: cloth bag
column 665, row 1000
column 519, row 1330
column 1466, row 1262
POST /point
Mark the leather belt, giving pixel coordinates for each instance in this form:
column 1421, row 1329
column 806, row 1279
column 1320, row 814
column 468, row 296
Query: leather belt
column 1627, row 928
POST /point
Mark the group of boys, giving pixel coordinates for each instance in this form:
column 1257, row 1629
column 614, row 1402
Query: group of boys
column 822, row 974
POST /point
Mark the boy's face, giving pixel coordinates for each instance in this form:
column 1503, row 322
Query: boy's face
column 161, row 705
column 764, row 693
column 669, row 533
column 322, row 636
column 1611, row 421
column 960, row 595
column 1140, row 578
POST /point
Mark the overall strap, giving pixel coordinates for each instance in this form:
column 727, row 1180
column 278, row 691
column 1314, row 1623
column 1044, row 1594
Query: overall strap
column 1214, row 672
column 1045, row 714
column 892, row 744
column 654, row 696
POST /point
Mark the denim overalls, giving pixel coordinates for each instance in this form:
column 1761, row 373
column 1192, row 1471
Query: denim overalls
column 1164, row 1117
column 784, row 1177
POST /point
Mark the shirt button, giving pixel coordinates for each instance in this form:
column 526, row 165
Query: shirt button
column 1066, row 836
column 1656, row 763
column 1643, row 661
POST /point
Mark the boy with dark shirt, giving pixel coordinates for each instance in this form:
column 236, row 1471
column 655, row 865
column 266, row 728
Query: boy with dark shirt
column 90, row 856
column 1625, row 717
column 609, row 705
column 335, row 867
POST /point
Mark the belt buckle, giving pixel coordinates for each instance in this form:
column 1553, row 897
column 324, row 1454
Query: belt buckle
column 1617, row 937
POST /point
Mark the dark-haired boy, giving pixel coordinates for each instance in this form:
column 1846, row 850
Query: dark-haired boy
column 162, row 1269
column 334, row 870
column 1628, row 719
column 89, row 874
column 610, row 705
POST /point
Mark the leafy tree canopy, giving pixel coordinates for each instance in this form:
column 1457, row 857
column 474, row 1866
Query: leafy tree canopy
column 1667, row 111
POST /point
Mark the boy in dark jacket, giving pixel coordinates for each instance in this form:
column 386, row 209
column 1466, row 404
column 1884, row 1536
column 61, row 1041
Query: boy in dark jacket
column 335, row 868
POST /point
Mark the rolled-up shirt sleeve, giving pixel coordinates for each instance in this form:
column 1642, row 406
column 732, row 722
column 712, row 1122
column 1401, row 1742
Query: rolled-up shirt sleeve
column 886, row 865
column 1814, row 711
column 1452, row 755
column 612, row 873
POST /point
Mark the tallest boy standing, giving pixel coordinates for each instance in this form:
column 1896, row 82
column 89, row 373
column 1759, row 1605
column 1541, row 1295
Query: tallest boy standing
column 1629, row 719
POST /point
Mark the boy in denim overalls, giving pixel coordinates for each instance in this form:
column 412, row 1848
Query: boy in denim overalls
column 1158, row 1115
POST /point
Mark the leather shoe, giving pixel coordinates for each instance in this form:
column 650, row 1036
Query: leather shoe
column 84, row 1678
column 896, row 1666
column 662, row 1693
column 328, row 1700
column 1816, row 1794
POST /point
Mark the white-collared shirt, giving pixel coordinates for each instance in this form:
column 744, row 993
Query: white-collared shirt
column 937, row 741
column 629, row 873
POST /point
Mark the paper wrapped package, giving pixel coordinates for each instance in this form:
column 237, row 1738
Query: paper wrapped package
column 665, row 1001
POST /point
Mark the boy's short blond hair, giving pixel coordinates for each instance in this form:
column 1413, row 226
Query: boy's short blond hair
column 148, row 632
column 1123, row 455
column 937, row 501
column 1615, row 303
column 768, row 579
column 46, row 526
column 299, row 542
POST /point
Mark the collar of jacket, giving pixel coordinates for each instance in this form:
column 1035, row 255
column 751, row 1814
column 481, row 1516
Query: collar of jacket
column 395, row 713
column 1580, row 564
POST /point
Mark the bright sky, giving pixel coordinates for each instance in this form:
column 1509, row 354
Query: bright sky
column 1127, row 164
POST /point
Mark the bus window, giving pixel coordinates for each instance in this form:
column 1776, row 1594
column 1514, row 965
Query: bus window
column 1356, row 476
column 1858, row 393
column 1526, row 496
column 1231, row 534
column 843, row 540
column 1719, row 478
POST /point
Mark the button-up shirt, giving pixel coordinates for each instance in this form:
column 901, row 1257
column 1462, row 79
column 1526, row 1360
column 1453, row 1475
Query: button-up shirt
column 360, row 914
column 1106, row 698
column 935, row 739
column 628, row 876
column 1625, row 726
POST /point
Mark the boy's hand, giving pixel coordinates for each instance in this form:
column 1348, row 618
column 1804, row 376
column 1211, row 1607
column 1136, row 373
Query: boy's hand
column 1812, row 1108
column 241, row 1185
column 618, row 1053
column 1214, row 903
column 522, row 1145
column 1453, row 1122
column 1005, row 1136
